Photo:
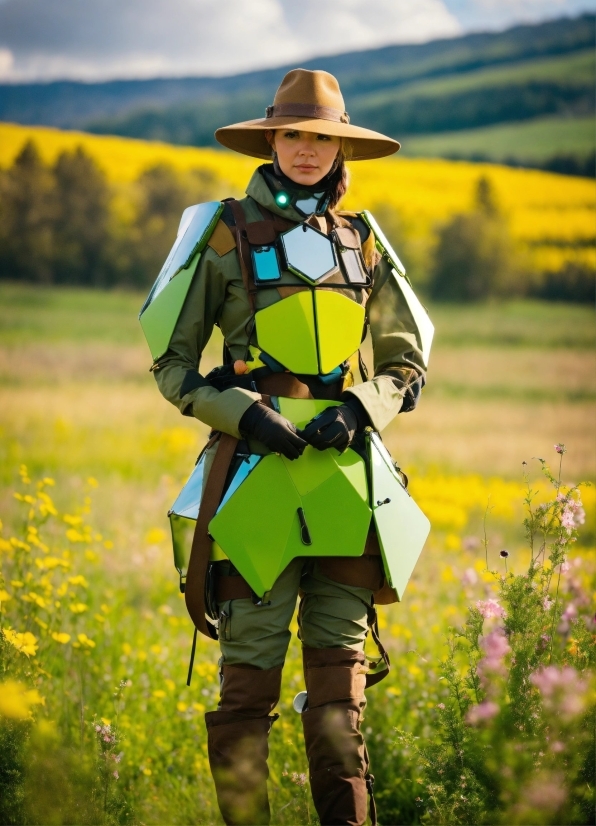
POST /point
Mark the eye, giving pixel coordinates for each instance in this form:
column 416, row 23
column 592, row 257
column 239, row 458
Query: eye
column 323, row 138
column 291, row 134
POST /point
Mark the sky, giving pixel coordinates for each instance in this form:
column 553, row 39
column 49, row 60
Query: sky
column 104, row 39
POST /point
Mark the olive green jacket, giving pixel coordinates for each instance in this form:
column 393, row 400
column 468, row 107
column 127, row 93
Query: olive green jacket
column 217, row 296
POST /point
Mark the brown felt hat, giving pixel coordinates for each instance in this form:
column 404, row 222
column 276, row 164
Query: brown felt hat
column 312, row 102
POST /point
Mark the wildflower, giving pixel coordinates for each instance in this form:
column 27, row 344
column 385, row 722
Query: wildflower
column 16, row 700
column 482, row 712
column 441, row 706
column 115, row 774
column 61, row 637
column 561, row 449
column 547, row 603
column 495, row 644
column 26, row 642
column 567, row 617
column 565, row 566
column 495, row 647
column 503, row 554
column 490, row 608
column 562, row 689
column 469, row 577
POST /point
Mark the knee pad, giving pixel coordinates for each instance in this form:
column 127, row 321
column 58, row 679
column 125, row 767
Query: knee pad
column 251, row 692
column 335, row 675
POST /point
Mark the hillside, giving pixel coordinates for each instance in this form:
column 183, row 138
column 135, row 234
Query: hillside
column 445, row 86
column 551, row 216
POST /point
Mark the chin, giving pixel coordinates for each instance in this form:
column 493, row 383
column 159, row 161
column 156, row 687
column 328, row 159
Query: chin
column 306, row 178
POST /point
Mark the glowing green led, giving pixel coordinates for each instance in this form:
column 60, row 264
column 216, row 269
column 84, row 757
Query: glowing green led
column 282, row 199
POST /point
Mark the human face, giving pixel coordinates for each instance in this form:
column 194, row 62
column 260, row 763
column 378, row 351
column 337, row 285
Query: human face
column 304, row 157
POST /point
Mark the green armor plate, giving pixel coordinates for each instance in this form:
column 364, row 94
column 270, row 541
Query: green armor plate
column 423, row 323
column 402, row 528
column 160, row 311
column 314, row 506
column 312, row 331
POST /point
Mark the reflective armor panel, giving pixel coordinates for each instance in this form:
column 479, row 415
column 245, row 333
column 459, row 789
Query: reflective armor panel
column 274, row 510
column 311, row 331
column 160, row 311
column 425, row 326
column 308, row 253
column 315, row 506
column 402, row 528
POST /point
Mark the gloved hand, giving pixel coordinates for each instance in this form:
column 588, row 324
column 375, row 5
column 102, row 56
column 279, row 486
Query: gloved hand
column 273, row 430
column 336, row 426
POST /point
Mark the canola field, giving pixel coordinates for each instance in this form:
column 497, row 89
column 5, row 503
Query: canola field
column 98, row 725
column 551, row 216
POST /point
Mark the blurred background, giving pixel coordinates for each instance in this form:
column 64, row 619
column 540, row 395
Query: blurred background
column 107, row 113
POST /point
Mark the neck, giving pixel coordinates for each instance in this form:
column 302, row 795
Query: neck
column 278, row 182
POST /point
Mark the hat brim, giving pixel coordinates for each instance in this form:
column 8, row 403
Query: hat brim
column 248, row 137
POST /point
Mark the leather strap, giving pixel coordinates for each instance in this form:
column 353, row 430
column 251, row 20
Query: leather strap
column 306, row 110
column 232, row 587
column 373, row 624
column 284, row 384
column 200, row 552
column 243, row 253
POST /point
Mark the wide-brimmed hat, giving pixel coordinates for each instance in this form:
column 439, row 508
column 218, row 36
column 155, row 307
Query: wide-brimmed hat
column 312, row 102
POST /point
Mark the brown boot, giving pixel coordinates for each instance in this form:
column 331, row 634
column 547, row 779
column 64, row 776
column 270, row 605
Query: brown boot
column 337, row 757
column 237, row 743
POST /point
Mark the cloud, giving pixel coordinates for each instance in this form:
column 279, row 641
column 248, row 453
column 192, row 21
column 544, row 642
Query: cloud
column 95, row 39
column 141, row 38
column 498, row 14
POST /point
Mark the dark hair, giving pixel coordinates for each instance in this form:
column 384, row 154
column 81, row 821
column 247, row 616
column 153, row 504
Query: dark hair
column 339, row 176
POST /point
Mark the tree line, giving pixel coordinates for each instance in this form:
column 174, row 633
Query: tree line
column 63, row 224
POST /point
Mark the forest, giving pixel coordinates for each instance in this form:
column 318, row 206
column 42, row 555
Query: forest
column 65, row 222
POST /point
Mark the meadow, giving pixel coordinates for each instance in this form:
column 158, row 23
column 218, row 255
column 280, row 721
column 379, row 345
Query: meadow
column 99, row 725
column 551, row 216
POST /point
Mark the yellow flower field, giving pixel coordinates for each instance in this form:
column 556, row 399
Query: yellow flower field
column 551, row 215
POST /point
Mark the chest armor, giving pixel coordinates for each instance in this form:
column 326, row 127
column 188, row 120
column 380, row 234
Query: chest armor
column 321, row 279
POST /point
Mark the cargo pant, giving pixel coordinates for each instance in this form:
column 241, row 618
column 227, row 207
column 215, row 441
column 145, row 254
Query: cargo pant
column 333, row 625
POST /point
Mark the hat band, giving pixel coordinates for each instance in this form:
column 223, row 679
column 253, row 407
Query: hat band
column 306, row 110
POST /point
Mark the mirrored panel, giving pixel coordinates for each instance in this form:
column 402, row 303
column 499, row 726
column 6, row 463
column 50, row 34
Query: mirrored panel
column 189, row 498
column 265, row 264
column 308, row 205
column 195, row 227
column 249, row 463
column 308, row 252
column 353, row 267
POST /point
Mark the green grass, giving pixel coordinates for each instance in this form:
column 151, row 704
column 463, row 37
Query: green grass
column 531, row 141
column 577, row 69
column 506, row 382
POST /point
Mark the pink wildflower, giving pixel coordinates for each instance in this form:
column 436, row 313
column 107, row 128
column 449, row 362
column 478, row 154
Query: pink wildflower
column 565, row 566
column 441, row 706
column 469, row 577
column 482, row 712
column 547, row 603
column 561, row 449
column 562, row 689
column 495, row 644
column 490, row 608
column 568, row 519
column 115, row 774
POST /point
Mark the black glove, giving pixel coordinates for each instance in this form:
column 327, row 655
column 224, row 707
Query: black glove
column 222, row 378
column 336, row 426
column 273, row 430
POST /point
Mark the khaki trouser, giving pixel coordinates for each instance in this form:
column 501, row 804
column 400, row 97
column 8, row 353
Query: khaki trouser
column 331, row 616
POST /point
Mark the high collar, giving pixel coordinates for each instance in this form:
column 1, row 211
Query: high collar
column 265, row 183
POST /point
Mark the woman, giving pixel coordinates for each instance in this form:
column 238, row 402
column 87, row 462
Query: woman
column 247, row 277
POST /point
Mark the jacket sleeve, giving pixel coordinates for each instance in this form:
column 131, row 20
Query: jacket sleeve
column 399, row 370
column 177, row 372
